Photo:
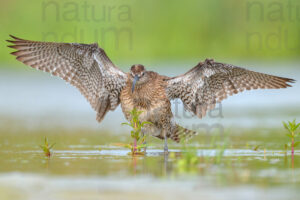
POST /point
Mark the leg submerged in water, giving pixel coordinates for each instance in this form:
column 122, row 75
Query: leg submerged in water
column 166, row 150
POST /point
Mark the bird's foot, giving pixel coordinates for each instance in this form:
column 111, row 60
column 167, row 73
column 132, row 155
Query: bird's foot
column 166, row 150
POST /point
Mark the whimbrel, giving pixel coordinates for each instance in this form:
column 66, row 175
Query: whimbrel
column 87, row 67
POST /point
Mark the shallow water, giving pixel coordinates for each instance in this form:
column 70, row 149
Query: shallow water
column 85, row 165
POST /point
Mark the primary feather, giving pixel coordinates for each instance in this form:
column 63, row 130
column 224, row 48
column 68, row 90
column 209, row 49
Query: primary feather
column 85, row 66
column 210, row 82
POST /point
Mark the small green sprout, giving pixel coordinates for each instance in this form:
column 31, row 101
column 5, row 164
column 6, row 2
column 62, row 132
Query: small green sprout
column 220, row 148
column 189, row 158
column 46, row 147
column 136, row 133
column 188, row 161
column 292, row 128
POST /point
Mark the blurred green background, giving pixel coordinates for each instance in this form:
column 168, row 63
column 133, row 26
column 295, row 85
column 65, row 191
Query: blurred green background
column 151, row 31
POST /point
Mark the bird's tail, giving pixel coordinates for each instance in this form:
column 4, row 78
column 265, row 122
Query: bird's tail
column 182, row 133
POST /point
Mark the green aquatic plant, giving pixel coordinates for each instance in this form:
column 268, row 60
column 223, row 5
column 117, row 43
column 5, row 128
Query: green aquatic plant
column 136, row 133
column 219, row 146
column 292, row 128
column 46, row 147
column 188, row 158
column 220, row 151
column 188, row 161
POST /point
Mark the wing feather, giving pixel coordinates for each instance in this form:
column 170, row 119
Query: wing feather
column 85, row 66
column 210, row 82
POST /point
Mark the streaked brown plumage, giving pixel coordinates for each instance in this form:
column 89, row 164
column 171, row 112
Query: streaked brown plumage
column 87, row 67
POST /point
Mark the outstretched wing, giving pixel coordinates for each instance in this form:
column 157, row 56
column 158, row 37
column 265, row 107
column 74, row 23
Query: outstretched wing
column 210, row 82
column 85, row 66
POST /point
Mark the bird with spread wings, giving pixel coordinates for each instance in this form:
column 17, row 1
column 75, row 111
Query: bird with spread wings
column 88, row 68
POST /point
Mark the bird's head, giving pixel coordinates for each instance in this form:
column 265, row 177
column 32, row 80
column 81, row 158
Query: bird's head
column 137, row 74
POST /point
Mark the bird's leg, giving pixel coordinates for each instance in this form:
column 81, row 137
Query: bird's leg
column 166, row 150
column 166, row 129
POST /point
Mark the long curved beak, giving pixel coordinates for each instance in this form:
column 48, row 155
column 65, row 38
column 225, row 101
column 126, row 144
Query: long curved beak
column 136, row 78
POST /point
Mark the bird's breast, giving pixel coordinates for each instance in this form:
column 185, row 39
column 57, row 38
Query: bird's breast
column 142, row 102
column 149, row 98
